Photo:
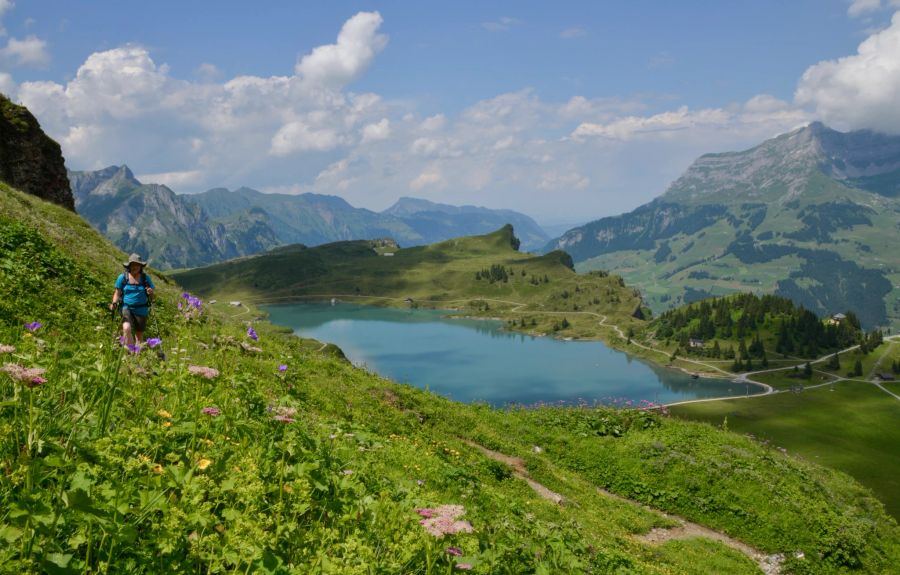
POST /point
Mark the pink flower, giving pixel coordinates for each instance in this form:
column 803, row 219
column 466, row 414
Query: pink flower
column 36, row 381
column 207, row 372
column 212, row 411
column 24, row 374
column 444, row 520
column 7, row 348
column 284, row 419
column 454, row 551
column 464, row 566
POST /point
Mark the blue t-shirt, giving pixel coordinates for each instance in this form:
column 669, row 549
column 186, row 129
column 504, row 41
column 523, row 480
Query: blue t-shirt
column 134, row 296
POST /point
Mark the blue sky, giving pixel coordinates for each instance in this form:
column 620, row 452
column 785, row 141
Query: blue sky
column 567, row 111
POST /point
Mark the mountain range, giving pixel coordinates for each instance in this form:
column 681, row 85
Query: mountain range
column 178, row 231
column 813, row 215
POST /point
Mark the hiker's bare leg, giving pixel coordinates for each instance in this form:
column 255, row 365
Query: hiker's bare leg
column 126, row 330
column 139, row 336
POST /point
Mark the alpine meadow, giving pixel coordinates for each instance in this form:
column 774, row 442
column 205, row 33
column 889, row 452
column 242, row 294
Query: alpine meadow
column 436, row 288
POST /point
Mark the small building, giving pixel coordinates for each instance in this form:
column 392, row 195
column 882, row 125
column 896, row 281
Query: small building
column 884, row 376
column 839, row 317
column 234, row 303
column 388, row 254
column 696, row 343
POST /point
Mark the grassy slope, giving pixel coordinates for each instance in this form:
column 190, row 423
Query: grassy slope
column 851, row 426
column 441, row 275
column 662, row 283
column 112, row 462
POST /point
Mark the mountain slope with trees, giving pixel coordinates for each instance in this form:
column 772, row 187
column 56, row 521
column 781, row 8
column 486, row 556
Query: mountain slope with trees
column 811, row 215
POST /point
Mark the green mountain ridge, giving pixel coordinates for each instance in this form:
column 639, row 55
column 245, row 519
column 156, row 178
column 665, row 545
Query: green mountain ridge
column 812, row 215
column 179, row 231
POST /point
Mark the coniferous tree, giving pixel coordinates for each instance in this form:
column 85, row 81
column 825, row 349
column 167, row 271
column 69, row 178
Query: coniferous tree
column 807, row 370
column 857, row 368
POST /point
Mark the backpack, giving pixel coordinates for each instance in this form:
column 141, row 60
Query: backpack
column 143, row 283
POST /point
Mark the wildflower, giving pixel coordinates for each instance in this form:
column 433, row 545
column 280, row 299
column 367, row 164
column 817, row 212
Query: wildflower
column 347, row 472
column 212, row 411
column 284, row 419
column 251, row 333
column 454, row 551
column 284, row 410
column 153, row 342
column 133, row 348
column 282, row 368
column 420, row 482
column 164, row 413
column 25, row 375
column 143, row 458
column 203, row 463
column 207, row 372
column 167, row 423
column 36, row 381
column 444, row 520
column 33, row 326
column 7, row 348
column 464, row 566
column 157, row 468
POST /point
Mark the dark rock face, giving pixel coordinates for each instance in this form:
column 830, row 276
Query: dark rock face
column 30, row 160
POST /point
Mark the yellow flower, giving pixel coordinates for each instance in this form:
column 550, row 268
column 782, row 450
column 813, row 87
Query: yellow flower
column 143, row 458
column 288, row 488
column 157, row 468
column 164, row 413
column 167, row 424
column 27, row 335
column 203, row 463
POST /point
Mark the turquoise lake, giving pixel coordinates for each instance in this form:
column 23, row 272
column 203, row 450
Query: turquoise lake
column 476, row 360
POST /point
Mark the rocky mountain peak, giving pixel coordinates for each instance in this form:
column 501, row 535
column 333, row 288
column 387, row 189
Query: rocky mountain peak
column 29, row 159
column 778, row 169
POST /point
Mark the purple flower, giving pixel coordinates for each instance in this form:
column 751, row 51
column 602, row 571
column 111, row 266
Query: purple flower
column 33, row 326
column 36, row 381
column 133, row 348
column 153, row 342
column 212, row 411
column 282, row 368
column 454, row 551
column 185, row 295
column 251, row 333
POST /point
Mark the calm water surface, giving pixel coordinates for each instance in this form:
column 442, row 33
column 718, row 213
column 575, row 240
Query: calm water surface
column 475, row 360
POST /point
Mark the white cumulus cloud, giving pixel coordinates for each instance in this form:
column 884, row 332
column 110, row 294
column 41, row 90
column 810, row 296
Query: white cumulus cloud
column 340, row 63
column 376, row 132
column 858, row 91
column 31, row 51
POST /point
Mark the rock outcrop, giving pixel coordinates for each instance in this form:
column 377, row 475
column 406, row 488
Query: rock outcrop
column 30, row 160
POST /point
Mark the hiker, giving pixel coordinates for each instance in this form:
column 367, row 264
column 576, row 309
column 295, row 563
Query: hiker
column 134, row 289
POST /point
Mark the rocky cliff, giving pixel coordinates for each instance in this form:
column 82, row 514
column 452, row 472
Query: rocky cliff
column 29, row 159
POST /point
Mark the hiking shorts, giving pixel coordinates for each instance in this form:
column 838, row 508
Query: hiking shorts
column 138, row 322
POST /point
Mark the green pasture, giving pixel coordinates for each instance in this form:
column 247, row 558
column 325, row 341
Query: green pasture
column 851, row 426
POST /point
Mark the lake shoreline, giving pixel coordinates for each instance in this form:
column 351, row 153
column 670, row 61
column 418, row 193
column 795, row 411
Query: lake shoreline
column 562, row 373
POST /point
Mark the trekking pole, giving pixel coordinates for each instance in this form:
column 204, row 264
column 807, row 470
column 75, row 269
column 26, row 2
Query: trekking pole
column 159, row 353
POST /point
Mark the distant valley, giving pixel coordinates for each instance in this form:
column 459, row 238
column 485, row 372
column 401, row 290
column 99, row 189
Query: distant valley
column 180, row 231
column 813, row 215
